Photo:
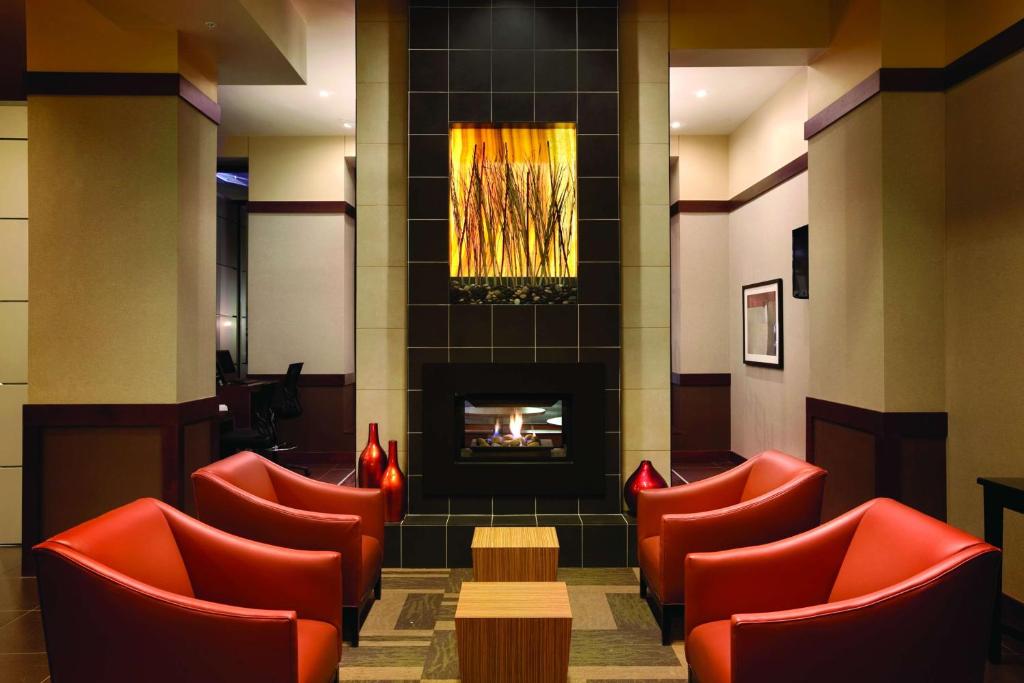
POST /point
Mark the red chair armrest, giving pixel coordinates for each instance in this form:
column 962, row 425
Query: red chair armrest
column 135, row 631
column 715, row 492
column 238, row 571
column 302, row 492
column 793, row 572
column 931, row 627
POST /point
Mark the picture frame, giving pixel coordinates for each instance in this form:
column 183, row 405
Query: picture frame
column 762, row 324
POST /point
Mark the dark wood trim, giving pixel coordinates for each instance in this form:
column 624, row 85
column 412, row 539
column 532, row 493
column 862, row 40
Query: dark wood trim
column 889, row 430
column 302, row 207
column 12, row 51
column 312, row 380
column 1004, row 44
column 121, row 85
column 766, row 184
column 771, row 181
column 170, row 418
column 199, row 100
column 853, row 98
column 702, row 206
column 700, row 379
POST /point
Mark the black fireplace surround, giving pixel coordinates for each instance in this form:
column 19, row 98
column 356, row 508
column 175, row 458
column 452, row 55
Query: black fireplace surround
column 577, row 469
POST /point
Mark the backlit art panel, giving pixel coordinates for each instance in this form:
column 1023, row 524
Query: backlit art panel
column 512, row 214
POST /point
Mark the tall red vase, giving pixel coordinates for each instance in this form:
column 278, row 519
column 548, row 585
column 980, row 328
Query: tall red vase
column 392, row 485
column 645, row 477
column 372, row 461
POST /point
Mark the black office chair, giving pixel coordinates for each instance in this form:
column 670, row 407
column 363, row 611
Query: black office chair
column 262, row 436
column 287, row 405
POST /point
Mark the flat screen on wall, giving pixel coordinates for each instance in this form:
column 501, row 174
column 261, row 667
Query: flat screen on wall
column 801, row 263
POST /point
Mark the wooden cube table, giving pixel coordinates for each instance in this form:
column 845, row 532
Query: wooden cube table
column 518, row 553
column 513, row 632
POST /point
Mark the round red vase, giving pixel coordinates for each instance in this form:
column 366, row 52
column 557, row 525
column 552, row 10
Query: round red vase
column 372, row 461
column 392, row 485
column 645, row 477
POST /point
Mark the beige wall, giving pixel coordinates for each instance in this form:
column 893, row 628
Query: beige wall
column 301, row 266
column 853, row 54
column 771, row 137
column 984, row 288
column 702, row 306
column 767, row 404
column 13, row 311
column 846, row 303
column 644, row 193
column 702, row 170
column 308, row 168
column 381, row 97
column 104, row 262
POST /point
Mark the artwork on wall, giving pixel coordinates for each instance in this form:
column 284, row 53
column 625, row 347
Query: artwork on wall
column 801, row 264
column 512, row 214
column 762, row 324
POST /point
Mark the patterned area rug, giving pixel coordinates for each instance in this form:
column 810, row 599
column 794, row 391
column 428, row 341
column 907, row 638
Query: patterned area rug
column 410, row 632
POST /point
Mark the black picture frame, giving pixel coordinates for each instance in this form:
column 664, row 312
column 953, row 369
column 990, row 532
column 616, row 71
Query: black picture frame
column 775, row 327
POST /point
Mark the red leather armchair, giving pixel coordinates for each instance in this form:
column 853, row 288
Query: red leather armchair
column 771, row 496
column 250, row 496
column 146, row 593
column 883, row 593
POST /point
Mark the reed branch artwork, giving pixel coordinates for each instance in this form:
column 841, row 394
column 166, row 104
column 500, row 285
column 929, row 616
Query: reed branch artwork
column 512, row 214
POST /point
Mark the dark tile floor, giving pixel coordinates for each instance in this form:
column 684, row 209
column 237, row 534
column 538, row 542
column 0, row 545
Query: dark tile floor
column 23, row 649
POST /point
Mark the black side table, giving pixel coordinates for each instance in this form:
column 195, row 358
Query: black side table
column 999, row 493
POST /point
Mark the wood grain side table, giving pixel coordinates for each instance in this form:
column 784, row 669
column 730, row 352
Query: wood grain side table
column 513, row 632
column 518, row 553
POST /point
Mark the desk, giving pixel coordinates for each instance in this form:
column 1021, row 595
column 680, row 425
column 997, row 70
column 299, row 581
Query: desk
column 1000, row 493
column 238, row 398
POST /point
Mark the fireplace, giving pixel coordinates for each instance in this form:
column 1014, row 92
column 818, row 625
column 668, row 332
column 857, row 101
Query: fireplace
column 496, row 428
column 513, row 429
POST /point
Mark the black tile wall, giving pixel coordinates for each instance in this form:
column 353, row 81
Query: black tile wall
column 513, row 61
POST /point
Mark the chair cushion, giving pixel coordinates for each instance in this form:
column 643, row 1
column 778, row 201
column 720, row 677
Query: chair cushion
column 649, row 556
column 318, row 651
column 372, row 558
column 709, row 651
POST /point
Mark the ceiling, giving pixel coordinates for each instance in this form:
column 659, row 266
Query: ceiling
column 732, row 94
column 300, row 109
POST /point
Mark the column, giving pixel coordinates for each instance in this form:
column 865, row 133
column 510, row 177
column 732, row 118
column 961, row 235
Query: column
column 646, row 288
column 381, row 375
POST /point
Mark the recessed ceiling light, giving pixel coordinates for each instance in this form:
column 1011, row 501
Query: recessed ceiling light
column 701, row 93
column 325, row 93
column 676, row 124
column 347, row 124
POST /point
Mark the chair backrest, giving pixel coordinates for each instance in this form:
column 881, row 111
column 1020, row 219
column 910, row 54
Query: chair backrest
column 770, row 470
column 286, row 401
column 264, row 417
column 246, row 471
column 136, row 540
column 892, row 543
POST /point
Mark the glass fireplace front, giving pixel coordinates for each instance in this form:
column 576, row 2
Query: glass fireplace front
column 520, row 429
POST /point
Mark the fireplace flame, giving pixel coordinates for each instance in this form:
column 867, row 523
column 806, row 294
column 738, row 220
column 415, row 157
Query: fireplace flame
column 497, row 428
column 515, row 423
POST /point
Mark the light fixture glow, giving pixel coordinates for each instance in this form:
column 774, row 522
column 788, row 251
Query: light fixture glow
column 676, row 124
column 701, row 93
column 347, row 124
column 228, row 323
column 325, row 93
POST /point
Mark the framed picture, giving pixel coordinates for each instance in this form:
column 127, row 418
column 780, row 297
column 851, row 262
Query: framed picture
column 762, row 324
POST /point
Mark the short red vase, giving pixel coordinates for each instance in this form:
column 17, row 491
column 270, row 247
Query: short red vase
column 372, row 461
column 392, row 485
column 645, row 477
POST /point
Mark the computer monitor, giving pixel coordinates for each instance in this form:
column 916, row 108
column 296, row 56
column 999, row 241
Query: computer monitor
column 225, row 365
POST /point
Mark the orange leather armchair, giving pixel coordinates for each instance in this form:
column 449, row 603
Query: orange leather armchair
column 883, row 593
column 250, row 496
column 146, row 593
column 771, row 496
